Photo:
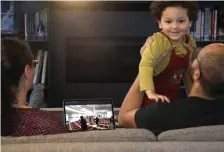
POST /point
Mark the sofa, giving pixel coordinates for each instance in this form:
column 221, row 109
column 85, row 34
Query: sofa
column 196, row 139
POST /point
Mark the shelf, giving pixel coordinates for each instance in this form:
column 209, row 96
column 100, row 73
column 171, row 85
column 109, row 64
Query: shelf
column 7, row 34
column 26, row 39
column 218, row 40
column 102, row 5
column 211, row 41
column 36, row 40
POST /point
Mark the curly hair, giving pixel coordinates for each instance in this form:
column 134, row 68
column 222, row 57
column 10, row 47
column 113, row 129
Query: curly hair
column 157, row 7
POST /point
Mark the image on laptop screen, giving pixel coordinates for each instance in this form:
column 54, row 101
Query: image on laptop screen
column 89, row 114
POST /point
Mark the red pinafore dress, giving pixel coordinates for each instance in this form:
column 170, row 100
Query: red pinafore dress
column 167, row 83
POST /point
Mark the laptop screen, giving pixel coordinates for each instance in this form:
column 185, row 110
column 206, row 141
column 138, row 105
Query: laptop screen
column 89, row 114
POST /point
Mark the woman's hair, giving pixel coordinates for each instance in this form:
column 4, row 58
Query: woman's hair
column 15, row 55
column 157, row 7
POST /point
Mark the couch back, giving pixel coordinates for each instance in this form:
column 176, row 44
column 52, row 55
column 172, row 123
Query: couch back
column 206, row 139
column 118, row 135
column 204, row 133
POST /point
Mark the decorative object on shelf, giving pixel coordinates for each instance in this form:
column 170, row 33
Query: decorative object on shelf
column 35, row 25
column 40, row 31
column 37, row 96
column 221, row 22
column 7, row 17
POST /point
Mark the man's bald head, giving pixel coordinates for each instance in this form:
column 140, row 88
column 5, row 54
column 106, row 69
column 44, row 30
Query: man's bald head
column 212, row 48
column 211, row 63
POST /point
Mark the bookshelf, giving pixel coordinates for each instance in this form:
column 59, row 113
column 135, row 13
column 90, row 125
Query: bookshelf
column 209, row 28
column 31, row 25
column 28, row 21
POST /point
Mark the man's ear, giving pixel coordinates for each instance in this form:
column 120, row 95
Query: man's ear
column 159, row 23
column 197, row 74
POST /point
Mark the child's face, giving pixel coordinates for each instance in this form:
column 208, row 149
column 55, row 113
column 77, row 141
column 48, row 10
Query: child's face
column 175, row 23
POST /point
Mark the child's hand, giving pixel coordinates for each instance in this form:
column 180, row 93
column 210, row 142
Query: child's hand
column 153, row 96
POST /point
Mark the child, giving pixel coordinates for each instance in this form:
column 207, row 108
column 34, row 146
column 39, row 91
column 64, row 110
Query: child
column 166, row 59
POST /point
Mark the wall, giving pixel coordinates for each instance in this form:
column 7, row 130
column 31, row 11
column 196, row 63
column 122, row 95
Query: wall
column 135, row 22
column 84, row 24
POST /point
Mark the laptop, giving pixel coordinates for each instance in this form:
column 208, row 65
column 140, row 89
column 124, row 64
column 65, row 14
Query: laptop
column 89, row 114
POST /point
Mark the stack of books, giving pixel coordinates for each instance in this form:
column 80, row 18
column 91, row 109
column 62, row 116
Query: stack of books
column 209, row 26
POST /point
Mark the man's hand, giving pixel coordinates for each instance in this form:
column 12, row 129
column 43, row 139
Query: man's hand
column 154, row 96
column 147, row 43
column 188, row 48
column 193, row 51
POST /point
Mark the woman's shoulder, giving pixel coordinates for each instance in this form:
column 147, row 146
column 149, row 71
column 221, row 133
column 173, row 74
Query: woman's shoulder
column 37, row 122
column 36, row 113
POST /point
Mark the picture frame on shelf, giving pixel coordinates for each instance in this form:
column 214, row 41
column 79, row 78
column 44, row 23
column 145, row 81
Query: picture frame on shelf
column 7, row 18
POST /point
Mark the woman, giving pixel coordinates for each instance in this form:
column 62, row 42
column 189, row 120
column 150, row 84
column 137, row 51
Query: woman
column 18, row 119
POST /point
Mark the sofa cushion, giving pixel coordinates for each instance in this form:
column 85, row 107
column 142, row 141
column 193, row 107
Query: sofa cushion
column 118, row 135
column 205, row 133
column 117, row 147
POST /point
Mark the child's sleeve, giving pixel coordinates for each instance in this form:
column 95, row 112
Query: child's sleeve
column 146, row 65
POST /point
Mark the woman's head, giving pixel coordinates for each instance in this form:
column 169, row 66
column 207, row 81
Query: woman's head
column 17, row 72
column 174, row 17
column 17, row 64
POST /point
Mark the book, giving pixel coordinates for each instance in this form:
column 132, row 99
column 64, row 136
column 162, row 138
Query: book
column 43, row 77
column 38, row 67
column 25, row 27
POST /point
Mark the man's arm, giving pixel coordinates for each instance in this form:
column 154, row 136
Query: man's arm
column 152, row 117
column 130, row 105
column 133, row 99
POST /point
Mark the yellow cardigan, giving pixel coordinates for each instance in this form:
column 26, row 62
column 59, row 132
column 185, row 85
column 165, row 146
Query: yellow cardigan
column 159, row 45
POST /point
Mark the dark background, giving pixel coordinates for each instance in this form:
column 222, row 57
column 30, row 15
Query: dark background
column 97, row 52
